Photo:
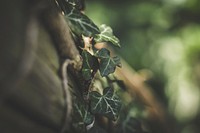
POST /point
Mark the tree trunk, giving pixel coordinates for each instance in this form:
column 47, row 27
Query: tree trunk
column 31, row 94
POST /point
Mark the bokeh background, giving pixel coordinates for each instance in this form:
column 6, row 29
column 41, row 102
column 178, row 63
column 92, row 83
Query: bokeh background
column 160, row 39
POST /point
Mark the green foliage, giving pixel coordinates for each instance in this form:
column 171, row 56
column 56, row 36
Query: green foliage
column 130, row 119
column 84, row 114
column 107, row 64
column 81, row 116
column 67, row 5
column 92, row 102
column 156, row 33
column 107, row 104
column 80, row 24
column 107, row 35
column 163, row 36
column 100, row 60
column 89, row 64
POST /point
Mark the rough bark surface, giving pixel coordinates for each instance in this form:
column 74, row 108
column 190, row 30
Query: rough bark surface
column 31, row 94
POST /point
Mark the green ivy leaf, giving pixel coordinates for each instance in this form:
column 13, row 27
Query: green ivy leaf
column 80, row 24
column 106, row 35
column 107, row 104
column 89, row 64
column 107, row 64
column 81, row 116
column 65, row 5
column 86, row 116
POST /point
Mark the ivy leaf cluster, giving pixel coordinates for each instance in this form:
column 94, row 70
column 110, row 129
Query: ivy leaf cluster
column 107, row 104
column 100, row 60
column 81, row 25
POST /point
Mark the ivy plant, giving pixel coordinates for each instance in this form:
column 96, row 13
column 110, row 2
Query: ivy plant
column 98, row 64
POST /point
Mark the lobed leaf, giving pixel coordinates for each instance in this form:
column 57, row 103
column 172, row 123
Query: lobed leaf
column 85, row 116
column 107, row 64
column 80, row 24
column 89, row 63
column 107, row 104
column 106, row 35
column 81, row 116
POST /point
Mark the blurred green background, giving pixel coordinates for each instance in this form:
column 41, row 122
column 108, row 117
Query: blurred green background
column 161, row 37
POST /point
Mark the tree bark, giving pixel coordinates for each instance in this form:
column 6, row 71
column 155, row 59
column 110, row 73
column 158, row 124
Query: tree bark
column 31, row 94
